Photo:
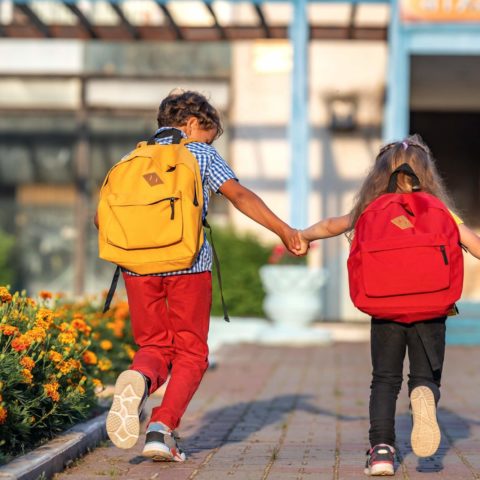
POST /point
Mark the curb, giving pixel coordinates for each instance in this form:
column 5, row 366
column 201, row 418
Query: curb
column 54, row 456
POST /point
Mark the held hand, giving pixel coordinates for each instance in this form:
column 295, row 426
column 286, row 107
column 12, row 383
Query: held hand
column 290, row 239
column 304, row 244
column 295, row 243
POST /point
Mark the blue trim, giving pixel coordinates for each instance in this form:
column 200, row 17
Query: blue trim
column 299, row 182
column 406, row 39
column 446, row 39
column 397, row 107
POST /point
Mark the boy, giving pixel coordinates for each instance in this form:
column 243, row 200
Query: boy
column 170, row 312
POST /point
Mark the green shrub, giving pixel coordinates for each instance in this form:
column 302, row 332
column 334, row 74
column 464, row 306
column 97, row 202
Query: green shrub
column 240, row 256
column 46, row 384
column 7, row 271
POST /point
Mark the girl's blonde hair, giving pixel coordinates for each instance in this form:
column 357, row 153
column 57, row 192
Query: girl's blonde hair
column 414, row 151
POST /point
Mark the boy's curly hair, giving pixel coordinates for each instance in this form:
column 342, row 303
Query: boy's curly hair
column 179, row 105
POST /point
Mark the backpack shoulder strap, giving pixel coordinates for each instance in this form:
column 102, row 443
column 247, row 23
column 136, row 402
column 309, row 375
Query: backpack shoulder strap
column 407, row 170
column 175, row 133
column 217, row 267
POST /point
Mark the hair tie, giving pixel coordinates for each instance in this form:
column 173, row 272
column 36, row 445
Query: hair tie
column 405, row 145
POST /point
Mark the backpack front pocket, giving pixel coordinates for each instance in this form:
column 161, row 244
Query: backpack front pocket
column 412, row 265
column 147, row 223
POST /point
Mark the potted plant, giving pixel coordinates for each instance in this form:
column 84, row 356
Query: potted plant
column 292, row 289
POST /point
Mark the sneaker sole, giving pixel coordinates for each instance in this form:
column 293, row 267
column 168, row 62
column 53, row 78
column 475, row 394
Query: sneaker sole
column 161, row 453
column 380, row 470
column 158, row 453
column 123, row 422
column 426, row 432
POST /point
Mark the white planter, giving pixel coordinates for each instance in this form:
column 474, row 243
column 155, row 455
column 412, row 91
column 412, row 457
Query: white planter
column 292, row 293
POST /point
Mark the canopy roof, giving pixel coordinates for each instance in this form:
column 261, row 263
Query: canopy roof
column 195, row 20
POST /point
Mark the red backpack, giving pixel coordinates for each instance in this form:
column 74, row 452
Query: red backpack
column 406, row 260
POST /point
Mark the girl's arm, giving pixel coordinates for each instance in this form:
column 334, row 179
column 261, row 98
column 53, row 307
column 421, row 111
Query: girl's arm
column 330, row 227
column 470, row 240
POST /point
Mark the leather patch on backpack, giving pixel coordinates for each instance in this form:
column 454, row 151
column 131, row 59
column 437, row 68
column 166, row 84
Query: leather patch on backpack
column 402, row 222
column 153, row 179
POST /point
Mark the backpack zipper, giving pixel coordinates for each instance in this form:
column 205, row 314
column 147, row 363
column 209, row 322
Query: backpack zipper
column 444, row 253
column 172, row 206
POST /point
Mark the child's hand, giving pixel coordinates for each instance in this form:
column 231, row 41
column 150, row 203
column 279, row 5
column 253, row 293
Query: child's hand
column 290, row 240
column 304, row 243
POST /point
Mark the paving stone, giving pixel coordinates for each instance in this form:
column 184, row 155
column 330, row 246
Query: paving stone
column 289, row 413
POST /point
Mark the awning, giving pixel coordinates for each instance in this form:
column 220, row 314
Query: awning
column 207, row 20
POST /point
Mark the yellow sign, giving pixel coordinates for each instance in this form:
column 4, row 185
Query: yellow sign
column 441, row 10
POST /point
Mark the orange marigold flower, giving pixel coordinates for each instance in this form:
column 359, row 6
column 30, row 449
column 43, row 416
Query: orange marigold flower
column 104, row 364
column 106, row 345
column 64, row 367
column 55, row 356
column 65, row 327
column 31, row 302
column 44, row 318
column 5, row 295
column 27, row 375
column 51, row 390
column 96, row 336
column 80, row 389
column 21, row 343
column 27, row 362
column 8, row 330
column 67, row 337
column 117, row 327
column 81, row 326
column 97, row 383
column 3, row 415
column 130, row 351
column 76, row 365
column 89, row 357
column 69, row 365
column 44, row 294
column 37, row 334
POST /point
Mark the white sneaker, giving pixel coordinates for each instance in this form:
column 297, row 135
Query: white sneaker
column 425, row 432
column 123, row 420
column 380, row 461
column 161, row 444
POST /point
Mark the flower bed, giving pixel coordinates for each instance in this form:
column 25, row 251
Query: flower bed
column 54, row 356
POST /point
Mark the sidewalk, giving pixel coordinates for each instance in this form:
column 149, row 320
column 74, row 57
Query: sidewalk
column 283, row 413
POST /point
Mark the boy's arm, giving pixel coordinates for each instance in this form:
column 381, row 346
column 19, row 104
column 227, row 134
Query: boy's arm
column 255, row 208
column 330, row 227
column 470, row 239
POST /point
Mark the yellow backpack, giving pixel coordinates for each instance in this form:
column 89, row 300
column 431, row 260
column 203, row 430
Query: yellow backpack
column 150, row 209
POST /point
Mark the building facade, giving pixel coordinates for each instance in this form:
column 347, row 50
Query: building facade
column 308, row 91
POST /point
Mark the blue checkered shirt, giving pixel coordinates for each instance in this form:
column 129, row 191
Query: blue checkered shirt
column 214, row 172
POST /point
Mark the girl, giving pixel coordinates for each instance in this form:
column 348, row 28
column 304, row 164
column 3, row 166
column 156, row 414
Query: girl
column 389, row 339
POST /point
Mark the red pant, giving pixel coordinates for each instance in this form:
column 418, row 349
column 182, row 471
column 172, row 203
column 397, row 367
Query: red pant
column 170, row 317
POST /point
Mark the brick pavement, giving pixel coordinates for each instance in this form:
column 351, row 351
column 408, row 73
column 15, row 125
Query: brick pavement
column 285, row 413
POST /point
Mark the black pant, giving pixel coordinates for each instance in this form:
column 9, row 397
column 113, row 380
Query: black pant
column 426, row 351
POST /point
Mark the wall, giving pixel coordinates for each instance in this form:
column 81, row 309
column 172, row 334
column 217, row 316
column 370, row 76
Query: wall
column 343, row 76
